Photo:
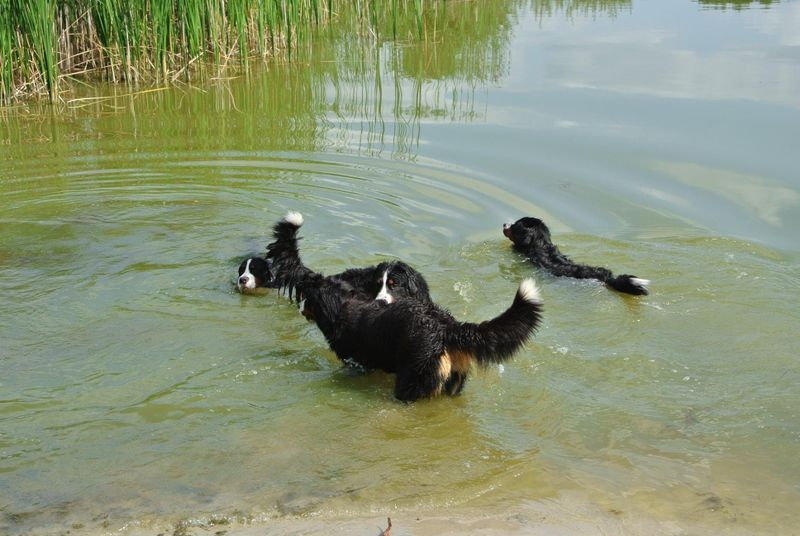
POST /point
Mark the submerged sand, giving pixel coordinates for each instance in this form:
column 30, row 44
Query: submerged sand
column 565, row 515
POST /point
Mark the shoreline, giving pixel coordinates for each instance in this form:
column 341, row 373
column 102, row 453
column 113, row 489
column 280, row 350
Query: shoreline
column 564, row 515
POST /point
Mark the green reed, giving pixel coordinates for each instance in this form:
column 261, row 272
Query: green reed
column 42, row 42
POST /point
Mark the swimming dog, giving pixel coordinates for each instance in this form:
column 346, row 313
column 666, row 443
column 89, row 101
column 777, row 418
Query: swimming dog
column 254, row 273
column 532, row 238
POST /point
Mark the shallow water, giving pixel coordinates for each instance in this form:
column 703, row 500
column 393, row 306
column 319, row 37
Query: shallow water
column 139, row 389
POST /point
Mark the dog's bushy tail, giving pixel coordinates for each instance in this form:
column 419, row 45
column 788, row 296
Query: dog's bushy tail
column 629, row 284
column 498, row 339
column 289, row 271
column 551, row 259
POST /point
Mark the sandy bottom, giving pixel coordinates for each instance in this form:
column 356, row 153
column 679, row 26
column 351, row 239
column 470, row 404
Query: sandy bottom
column 551, row 517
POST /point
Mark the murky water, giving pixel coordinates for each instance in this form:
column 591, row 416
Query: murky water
column 657, row 138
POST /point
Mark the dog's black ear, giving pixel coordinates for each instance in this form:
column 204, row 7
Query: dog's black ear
column 544, row 230
column 416, row 284
column 412, row 286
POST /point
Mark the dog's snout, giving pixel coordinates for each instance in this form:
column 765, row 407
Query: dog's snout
column 243, row 280
column 507, row 230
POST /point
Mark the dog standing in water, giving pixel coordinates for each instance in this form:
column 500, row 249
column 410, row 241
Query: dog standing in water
column 430, row 351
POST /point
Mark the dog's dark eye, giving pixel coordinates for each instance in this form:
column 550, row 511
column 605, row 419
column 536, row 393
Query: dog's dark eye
column 390, row 282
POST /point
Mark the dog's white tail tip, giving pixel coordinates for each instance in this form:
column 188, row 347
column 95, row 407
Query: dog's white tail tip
column 529, row 291
column 295, row 218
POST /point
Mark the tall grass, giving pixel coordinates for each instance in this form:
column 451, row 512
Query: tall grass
column 42, row 42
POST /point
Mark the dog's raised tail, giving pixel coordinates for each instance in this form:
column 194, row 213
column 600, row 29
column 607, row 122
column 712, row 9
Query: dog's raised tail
column 286, row 229
column 290, row 272
column 498, row 339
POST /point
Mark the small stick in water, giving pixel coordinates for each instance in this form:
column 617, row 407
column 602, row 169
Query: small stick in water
column 388, row 529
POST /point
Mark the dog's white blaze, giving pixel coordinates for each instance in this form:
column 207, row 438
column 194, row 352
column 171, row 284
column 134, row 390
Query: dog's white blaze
column 640, row 282
column 529, row 291
column 250, row 282
column 295, row 218
column 384, row 293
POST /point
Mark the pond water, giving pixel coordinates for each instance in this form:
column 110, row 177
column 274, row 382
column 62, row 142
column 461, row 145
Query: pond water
column 138, row 389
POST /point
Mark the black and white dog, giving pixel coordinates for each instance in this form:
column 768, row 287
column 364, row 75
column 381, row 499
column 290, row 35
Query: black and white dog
column 382, row 317
column 532, row 238
column 430, row 351
column 386, row 281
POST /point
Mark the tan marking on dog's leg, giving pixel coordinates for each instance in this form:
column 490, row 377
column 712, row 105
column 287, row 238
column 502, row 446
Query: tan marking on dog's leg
column 445, row 368
column 460, row 361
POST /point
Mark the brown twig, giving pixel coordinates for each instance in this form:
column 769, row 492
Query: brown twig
column 388, row 529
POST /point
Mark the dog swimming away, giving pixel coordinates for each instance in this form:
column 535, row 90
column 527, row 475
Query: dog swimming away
column 532, row 238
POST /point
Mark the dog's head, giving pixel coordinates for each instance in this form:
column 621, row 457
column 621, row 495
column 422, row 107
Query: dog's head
column 395, row 280
column 526, row 231
column 254, row 273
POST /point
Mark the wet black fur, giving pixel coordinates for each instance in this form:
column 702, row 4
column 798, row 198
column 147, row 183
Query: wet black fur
column 291, row 274
column 532, row 238
column 410, row 337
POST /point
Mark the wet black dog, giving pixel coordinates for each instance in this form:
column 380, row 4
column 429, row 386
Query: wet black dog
column 532, row 237
column 386, row 281
column 430, row 351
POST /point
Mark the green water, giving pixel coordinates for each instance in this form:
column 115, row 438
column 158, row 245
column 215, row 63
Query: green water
column 138, row 389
